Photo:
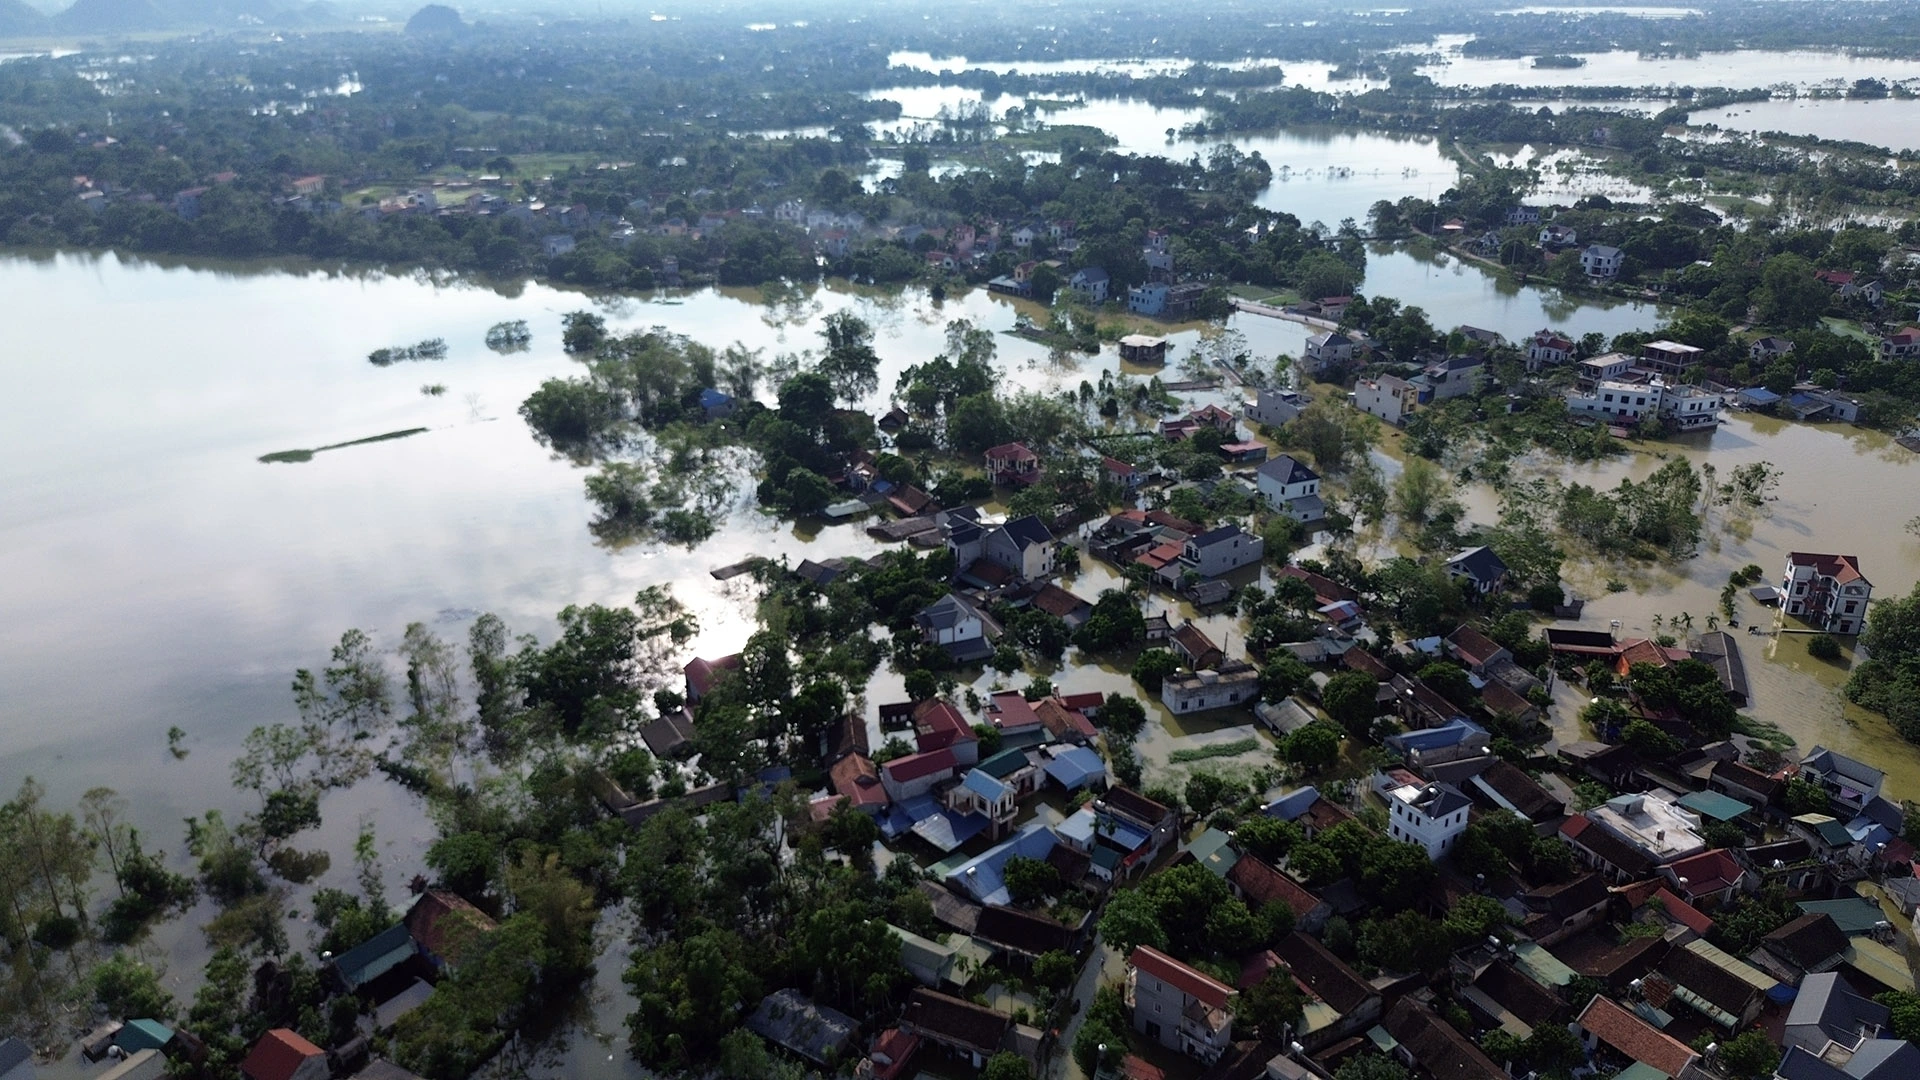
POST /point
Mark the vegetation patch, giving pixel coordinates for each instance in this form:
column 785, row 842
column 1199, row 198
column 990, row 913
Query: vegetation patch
column 288, row 456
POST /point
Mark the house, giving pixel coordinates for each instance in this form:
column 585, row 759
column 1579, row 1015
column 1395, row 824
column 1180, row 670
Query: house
column 1724, row 989
column 1195, row 647
column 1809, row 945
column 1826, row 1011
column 1260, row 884
column 1023, row 236
column 1222, row 551
column 1850, row 783
column 1023, row 546
column 1427, row 1042
column 1769, row 348
column 1654, row 825
column 1563, row 910
column 1626, row 1036
column 554, row 245
column 789, row 1019
column 364, row 964
column 1478, row 569
column 1177, row 1006
column 1452, row 377
column 1328, row 349
column 1123, row 813
column 1548, row 347
column 1062, row 605
column 1670, row 358
column 973, row 1032
column 1012, row 465
column 716, row 404
column 16, row 1059
column 1023, row 936
column 1828, row 591
column 1743, row 782
column 1275, row 407
column 1143, row 349
column 282, row 1054
column 1235, row 683
column 1388, row 397
column 937, row 725
column 1711, row 877
column 1601, row 263
column 856, row 779
column 1149, row 299
column 1558, row 236
column 1291, row 488
column 1507, row 786
column 1523, row 215
column 1432, row 816
column 955, row 623
column 701, row 674
column 917, row 774
column 1343, row 1002
column 1903, row 343
column 1090, row 282
column 443, row 925
column 986, row 795
column 1604, row 850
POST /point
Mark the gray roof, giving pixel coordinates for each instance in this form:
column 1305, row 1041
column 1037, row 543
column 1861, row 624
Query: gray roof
column 1027, row 531
column 1092, row 274
column 1825, row 1009
column 948, row 611
column 1287, row 469
column 1603, row 250
column 1480, row 562
column 13, row 1052
column 1219, row 535
column 791, row 1019
column 1821, row 759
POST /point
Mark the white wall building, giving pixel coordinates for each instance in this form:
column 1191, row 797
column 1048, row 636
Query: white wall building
column 1432, row 816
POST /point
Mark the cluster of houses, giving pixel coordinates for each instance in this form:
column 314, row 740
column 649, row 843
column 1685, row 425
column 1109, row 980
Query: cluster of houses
column 389, row 975
column 1623, row 391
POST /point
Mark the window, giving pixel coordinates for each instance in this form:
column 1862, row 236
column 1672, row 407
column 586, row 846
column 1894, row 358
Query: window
column 1850, row 606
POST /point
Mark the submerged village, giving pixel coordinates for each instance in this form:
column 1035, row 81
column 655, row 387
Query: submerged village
column 1111, row 691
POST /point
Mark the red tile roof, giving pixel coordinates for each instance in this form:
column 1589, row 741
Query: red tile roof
column 701, row 673
column 1012, row 451
column 277, row 1055
column 1161, row 517
column 1057, row 601
column 1162, row 555
column 915, row 766
column 1117, row 467
column 1082, row 702
column 443, row 923
column 1682, row 912
column 1061, row 721
column 1325, row 588
column 1473, row 646
column 1634, row 1037
column 1367, row 664
column 892, row 1053
column 1195, row 984
column 1011, row 711
column 1707, row 872
column 858, row 778
column 1263, row 884
column 938, row 725
column 1841, row 568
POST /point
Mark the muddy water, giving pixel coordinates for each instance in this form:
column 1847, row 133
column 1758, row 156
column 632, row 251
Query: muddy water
column 1844, row 490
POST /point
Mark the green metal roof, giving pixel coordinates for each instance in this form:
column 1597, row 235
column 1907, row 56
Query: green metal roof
column 1381, row 1040
column 1213, row 849
column 375, row 957
column 1639, row 1070
column 138, row 1035
column 1715, row 805
column 1854, row 916
column 1003, row 764
column 1542, row 966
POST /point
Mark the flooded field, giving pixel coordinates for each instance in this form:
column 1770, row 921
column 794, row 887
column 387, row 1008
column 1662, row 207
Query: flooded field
column 1892, row 122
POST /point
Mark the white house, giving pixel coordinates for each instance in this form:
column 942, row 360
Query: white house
column 1478, row 569
column 1236, row 683
column 951, row 620
column 1222, row 550
column 1432, row 816
column 1274, row 407
column 1388, row 397
column 1023, row 545
column 1454, row 376
column 1769, row 348
column 1548, row 347
column 1091, row 282
column 1327, row 349
column 1024, row 236
column 1828, row 591
column 1148, row 299
column 1291, row 488
column 1558, row 236
column 1179, row 1007
column 1602, row 263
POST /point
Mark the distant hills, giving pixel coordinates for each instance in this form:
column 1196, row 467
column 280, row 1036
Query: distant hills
column 436, row 20
column 20, row 19
column 17, row 19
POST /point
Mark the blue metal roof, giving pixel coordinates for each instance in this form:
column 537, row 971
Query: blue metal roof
column 1077, row 767
column 375, row 957
column 980, row 877
column 1293, row 803
column 985, row 785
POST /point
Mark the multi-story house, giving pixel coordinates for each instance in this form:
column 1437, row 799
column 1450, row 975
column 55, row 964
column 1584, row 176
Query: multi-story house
column 1023, row 545
column 1328, row 349
column 1453, row 376
column 1850, row 783
column 1548, row 347
column 1669, row 358
column 1275, row 407
column 1090, row 282
column 1558, row 236
column 1222, row 551
column 1828, row 591
column 1388, row 397
column 1905, row 343
column 1290, row 487
column 1179, row 1007
column 1432, row 816
column 1012, row 465
column 1601, row 262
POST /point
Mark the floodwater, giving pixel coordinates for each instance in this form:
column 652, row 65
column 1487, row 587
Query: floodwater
column 1890, row 122
column 1736, row 70
column 159, row 574
column 1844, row 490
